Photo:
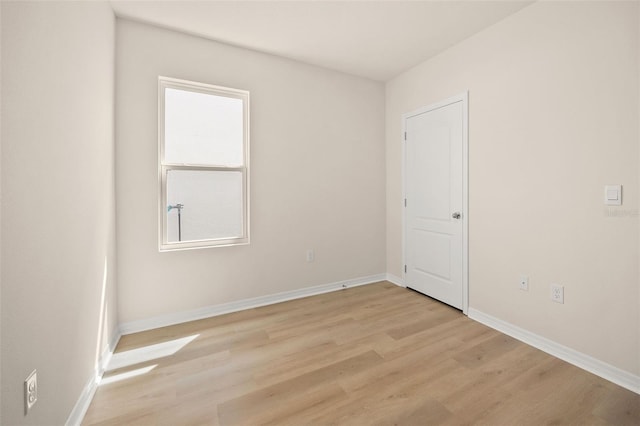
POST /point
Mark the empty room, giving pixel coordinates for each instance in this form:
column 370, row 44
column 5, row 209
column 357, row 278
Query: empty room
column 320, row 212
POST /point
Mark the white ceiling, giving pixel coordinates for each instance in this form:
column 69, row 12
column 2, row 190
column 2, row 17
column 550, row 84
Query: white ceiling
column 373, row 39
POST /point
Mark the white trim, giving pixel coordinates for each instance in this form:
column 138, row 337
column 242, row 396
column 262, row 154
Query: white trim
column 82, row 405
column 396, row 280
column 254, row 302
column 464, row 98
column 164, row 167
column 465, row 202
column 599, row 368
column 105, row 359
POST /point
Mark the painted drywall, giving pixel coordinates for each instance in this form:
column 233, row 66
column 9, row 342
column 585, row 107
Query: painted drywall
column 553, row 117
column 317, row 176
column 0, row 214
column 58, row 202
column 638, row 210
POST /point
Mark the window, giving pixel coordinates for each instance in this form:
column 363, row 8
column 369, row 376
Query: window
column 204, row 165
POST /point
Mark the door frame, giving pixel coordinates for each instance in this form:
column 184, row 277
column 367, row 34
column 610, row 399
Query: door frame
column 464, row 98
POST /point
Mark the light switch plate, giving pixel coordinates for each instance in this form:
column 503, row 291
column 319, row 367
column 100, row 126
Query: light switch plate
column 613, row 195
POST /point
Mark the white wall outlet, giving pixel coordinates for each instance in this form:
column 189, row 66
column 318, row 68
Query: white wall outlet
column 557, row 293
column 30, row 391
column 524, row 283
column 311, row 255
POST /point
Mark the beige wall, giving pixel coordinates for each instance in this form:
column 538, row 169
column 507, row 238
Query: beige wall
column 553, row 117
column 0, row 214
column 58, row 227
column 317, row 176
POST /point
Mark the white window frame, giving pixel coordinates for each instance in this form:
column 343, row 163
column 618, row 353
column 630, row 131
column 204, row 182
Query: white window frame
column 164, row 166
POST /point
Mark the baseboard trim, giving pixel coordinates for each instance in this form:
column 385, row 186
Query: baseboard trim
column 599, row 368
column 396, row 280
column 255, row 302
column 82, row 405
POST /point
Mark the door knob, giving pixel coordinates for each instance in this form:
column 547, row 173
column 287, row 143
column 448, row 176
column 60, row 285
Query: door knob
column 456, row 215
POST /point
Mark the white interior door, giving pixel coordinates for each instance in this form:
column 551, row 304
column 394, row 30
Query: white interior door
column 435, row 202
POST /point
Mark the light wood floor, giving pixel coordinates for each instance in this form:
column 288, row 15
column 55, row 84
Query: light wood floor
column 372, row 355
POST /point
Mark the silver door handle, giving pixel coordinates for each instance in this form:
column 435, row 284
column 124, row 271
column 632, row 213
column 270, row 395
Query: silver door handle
column 456, row 215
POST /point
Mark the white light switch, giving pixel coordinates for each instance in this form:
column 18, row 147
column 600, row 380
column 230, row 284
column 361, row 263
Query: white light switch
column 613, row 195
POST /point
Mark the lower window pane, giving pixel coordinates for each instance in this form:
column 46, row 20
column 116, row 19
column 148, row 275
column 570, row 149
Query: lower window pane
column 203, row 205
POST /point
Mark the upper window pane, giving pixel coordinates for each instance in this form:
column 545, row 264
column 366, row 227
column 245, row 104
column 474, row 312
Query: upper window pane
column 201, row 128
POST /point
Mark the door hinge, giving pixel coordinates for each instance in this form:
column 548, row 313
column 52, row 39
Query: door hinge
column 405, row 269
column 405, row 202
column 405, row 136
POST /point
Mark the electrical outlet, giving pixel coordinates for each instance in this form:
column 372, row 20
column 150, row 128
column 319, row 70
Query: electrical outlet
column 311, row 255
column 557, row 293
column 30, row 391
column 524, row 283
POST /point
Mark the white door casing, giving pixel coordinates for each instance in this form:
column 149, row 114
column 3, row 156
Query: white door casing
column 436, row 206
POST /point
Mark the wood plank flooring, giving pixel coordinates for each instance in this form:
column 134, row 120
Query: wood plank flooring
column 371, row 355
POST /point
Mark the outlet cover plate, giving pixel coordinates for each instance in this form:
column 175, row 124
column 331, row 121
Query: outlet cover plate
column 524, row 283
column 557, row 293
column 311, row 255
column 30, row 391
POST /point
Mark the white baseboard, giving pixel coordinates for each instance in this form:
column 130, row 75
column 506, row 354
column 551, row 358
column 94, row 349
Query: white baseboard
column 82, row 405
column 599, row 368
column 105, row 358
column 396, row 280
column 254, row 302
